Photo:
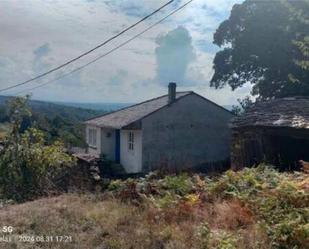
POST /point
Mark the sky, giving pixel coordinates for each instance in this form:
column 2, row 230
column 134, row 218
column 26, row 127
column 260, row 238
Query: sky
column 39, row 35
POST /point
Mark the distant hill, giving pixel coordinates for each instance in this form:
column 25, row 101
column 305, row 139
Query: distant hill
column 52, row 109
column 57, row 121
column 96, row 106
column 109, row 106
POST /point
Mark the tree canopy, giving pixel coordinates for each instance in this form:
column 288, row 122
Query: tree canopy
column 264, row 43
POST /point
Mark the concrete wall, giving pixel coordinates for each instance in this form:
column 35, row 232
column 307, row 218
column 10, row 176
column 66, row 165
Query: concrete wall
column 190, row 132
column 95, row 150
column 131, row 160
column 108, row 143
column 105, row 142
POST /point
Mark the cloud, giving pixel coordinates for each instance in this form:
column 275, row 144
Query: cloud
column 42, row 51
column 173, row 55
column 7, row 66
column 119, row 77
column 40, row 54
column 39, row 35
column 136, row 8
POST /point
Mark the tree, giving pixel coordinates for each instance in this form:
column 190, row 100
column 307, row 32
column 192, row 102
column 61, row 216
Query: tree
column 243, row 105
column 263, row 43
column 304, row 48
column 300, row 14
column 27, row 164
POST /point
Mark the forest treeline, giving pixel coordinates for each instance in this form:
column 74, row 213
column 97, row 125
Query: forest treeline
column 55, row 120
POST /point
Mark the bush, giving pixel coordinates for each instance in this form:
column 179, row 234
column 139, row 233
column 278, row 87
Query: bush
column 27, row 165
column 273, row 205
column 204, row 233
column 181, row 184
column 280, row 203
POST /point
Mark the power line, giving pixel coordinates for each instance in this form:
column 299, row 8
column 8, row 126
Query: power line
column 109, row 52
column 89, row 51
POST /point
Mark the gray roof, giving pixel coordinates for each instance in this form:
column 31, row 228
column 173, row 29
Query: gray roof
column 285, row 112
column 128, row 115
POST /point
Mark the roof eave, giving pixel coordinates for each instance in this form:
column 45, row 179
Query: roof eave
column 103, row 126
column 248, row 126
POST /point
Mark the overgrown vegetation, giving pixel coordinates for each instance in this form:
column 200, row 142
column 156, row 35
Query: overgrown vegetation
column 278, row 202
column 57, row 122
column 254, row 208
column 27, row 164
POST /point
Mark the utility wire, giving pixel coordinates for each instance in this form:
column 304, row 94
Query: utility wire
column 89, row 51
column 109, row 52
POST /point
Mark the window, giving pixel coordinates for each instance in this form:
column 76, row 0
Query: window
column 131, row 140
column 92, row 137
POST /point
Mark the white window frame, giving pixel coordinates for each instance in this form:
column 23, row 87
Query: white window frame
column 131, row 141
column 92, row 137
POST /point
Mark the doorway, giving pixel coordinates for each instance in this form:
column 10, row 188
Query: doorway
column 286, row 152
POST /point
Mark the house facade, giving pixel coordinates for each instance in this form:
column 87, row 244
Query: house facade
column 175, row 131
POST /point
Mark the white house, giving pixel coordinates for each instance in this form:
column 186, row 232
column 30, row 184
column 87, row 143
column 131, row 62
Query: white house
column 177, row 130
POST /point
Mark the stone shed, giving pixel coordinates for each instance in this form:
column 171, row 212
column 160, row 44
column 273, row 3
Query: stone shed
column 274, row 131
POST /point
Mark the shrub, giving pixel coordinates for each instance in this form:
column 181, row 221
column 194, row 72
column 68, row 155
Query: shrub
column 256, row 207
column 275, row 198
column 27, row 165
column 181, row 184
column 226, row 241
column 204, row 233
column 168, row 200
column 115, row 185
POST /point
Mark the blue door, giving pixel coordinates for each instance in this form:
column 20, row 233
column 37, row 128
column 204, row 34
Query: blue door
column 117, row 147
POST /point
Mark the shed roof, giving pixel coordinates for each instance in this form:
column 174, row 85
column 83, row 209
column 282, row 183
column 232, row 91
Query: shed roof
column 284, row 112
column 128, row 115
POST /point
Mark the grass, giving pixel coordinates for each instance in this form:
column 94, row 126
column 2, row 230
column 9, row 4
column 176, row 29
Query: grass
column 253, row 208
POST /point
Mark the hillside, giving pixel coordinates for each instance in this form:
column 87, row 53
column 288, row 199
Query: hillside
column 109, row 106
column 54, row 109
column 251, row 209
column 96, row 106
column 57, row 121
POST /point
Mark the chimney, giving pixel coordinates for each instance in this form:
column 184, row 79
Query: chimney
column 171, row 92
